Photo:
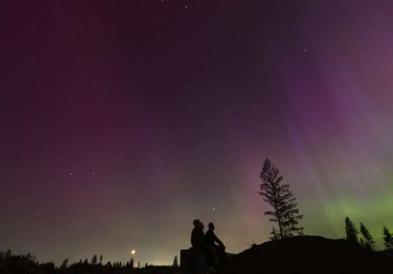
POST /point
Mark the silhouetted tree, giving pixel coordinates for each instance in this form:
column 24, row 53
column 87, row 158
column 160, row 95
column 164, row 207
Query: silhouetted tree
column 139, row 264
column 175, row 262
column 350, row 231
column 132, row 263
column 101, row 258
column 275, row 235
column 285, row 212
column 387, row 238
column 64, row 264
column 94, row 260
column 367, row 240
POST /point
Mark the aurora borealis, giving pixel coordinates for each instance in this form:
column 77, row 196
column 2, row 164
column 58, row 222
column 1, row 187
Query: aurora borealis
column 122, row 121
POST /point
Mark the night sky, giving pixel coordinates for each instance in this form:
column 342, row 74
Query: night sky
column 121, row 121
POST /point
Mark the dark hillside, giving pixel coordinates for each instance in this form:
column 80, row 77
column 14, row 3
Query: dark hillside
column 307, row 254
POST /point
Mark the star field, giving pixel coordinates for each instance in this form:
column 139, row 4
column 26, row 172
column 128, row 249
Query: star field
column 122, row 121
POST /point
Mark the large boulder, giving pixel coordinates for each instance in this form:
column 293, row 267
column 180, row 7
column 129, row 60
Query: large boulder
column 193, row 261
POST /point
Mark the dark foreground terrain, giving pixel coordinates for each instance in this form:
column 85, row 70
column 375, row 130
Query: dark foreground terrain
column 308, row 254
column 297, row 255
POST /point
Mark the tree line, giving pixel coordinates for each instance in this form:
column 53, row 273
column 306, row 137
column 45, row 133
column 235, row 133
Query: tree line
column 363, row 236
column 27, row 264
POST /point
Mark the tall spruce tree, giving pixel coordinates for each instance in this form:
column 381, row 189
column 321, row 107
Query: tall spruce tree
column 367, row 239
column 387, row 238
column 350, row 231
column 284, row 211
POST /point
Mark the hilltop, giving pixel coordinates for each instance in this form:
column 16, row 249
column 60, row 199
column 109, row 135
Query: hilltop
column 307, row 254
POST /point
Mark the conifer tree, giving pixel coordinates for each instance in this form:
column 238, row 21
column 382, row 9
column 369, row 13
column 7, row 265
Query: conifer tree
column 94, row 260
column 351, row 231
column 64, row 264
column 175, row 262
column 367, row 240
column 387, row 238
column 274, row 234
column 284, row 211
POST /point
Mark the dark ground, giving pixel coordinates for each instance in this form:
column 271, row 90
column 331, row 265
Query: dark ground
column 297, row 255
column 308, row 254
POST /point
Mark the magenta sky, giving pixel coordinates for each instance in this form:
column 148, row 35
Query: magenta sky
column 121, row 121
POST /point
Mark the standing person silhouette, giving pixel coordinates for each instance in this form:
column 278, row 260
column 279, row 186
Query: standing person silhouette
column 216, row 247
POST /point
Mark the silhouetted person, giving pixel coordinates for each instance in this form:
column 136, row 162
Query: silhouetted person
column 197, row 235
column 216, row 249
column 199, row 248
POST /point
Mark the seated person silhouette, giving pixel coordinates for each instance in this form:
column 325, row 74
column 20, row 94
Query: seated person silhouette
column 197, row 235
column 216, row 249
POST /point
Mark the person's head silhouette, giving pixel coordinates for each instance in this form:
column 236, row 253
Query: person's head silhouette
column 198, row 224
column 211, row 226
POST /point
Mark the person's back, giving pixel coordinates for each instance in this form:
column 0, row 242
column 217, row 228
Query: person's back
column 197, row 235
column 211, row 238
column 216, row 249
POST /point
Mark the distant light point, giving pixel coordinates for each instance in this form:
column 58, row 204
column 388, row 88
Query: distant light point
column 70, row 174
column 93, row 173
column 133, row 252
column 305, row 50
